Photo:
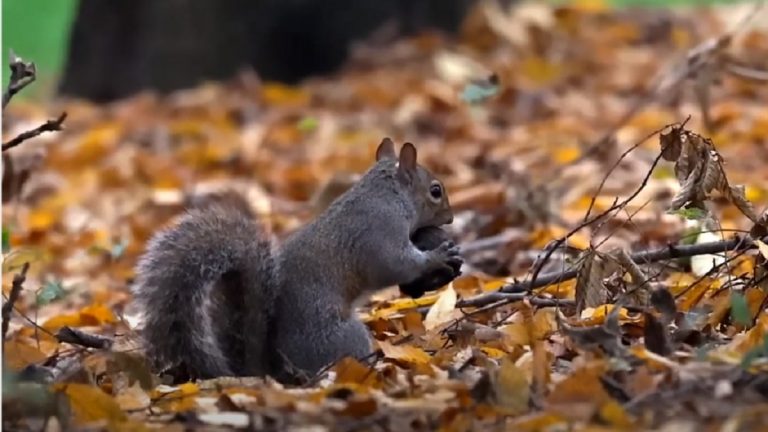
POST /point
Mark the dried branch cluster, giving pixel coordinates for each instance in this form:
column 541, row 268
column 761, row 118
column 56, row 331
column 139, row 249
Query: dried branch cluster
column 600, row 275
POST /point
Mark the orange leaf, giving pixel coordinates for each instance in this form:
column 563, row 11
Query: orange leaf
column 280, row 94
column 407, row 353
column 19, row 354
column 90, row 404
column 580, row 395
column 92, row 315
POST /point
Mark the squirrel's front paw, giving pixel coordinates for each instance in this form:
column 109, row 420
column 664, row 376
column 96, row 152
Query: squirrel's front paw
column 446, row 255
column 427, row 239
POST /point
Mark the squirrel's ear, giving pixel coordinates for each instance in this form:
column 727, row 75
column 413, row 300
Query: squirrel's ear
column 386, row 150
column 407, row 158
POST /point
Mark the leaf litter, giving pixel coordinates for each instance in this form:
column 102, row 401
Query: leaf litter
column 535, row 117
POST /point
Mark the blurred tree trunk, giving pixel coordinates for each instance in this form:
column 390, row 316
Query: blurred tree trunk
column 119, row 47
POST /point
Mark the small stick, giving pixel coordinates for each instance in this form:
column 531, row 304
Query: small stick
column 49, row 126
column 78, row 337
column 22, row 74
column 18, row 283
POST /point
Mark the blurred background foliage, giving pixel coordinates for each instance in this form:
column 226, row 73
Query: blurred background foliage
column 39, row 30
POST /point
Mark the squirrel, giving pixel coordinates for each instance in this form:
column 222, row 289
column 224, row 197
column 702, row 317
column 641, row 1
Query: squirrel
column 219, row 299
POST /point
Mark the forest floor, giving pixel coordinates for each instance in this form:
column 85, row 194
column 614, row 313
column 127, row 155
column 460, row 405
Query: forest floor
column 608, row 175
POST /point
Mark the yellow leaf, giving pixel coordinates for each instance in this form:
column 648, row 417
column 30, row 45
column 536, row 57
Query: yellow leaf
column 755, row 194
column 399, row 305
column 541, row 237
column 539, row 73
column 41, row 219
column 515, row 335
column 19, row 354
column 350, row 371
column 101, row 313
column 280, row 94
column 493, row 352
column 59, row 321
column 567, row 154
column 695, row 293
column 407, row 353
column 188, row 389
column 90, row 404
column 511, row 388
column 614, row 414
column 753, row 338
column 442, row 310
column 562, row 290
column 176, row 399
column 652, row 358
column 97, row 142
column 494, row 284
column 591, row 5
column 16, row 258
column 597, row 315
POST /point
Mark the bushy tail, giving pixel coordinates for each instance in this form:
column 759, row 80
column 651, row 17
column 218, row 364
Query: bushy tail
column 204, row 286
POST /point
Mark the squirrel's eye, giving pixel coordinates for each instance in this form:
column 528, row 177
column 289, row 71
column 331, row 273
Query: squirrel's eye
column 436, row 191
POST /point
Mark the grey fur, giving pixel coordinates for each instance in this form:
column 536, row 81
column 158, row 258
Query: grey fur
column 185, row 284
column 360, row 244
column 218, row 301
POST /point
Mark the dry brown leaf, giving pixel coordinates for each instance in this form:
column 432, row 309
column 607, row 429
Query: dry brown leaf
column 443, row 309
column 511, row 388
column 22, row 353
column 93, row 315
column 133, row 398
column 580, row 395
column 90, row 404
column 406, row 353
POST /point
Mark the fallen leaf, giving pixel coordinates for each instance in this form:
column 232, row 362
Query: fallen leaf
column 407, row 353
column 442, row 311
column 511, row 388
column 90, row 404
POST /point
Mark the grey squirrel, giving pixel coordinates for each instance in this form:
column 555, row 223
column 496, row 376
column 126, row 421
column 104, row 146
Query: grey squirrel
column 220, row 300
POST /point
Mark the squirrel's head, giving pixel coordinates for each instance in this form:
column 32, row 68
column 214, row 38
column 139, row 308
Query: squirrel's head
column 427, row 192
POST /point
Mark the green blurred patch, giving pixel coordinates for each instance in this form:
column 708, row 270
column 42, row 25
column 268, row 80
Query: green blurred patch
column 37, row 30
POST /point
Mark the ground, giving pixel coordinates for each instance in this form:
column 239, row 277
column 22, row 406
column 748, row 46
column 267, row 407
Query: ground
column 593, row 158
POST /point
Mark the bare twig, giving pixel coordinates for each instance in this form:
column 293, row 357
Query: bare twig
column 736, row 244
column 22, row 74
column 747, row 72
column 618, row 162
column 78, row 337
column 520, row 290
column 616, row 205
column 496, row 299
column 18, row 283
column 48, row 126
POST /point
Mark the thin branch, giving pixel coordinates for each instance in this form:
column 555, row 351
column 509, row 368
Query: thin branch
column 736, row 244
column 79, row 337
column 618, row 162
column 747, row 73
column 48, row 126
column 22, row 74
column 616, row 205
column 18, row 284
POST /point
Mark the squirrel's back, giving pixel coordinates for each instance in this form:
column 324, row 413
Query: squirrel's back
column 214, row 264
